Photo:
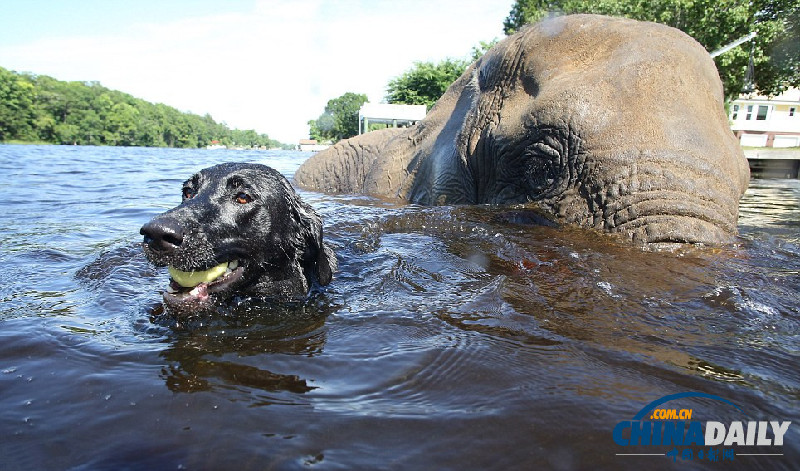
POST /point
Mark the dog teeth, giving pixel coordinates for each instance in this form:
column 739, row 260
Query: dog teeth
column 233, row 265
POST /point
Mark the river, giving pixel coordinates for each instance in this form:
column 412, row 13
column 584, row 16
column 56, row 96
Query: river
column 450, row 338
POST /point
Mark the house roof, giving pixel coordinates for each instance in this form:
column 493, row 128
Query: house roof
column 790, row 96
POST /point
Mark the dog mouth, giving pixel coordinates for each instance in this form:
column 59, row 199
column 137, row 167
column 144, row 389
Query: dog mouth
column 196, row 287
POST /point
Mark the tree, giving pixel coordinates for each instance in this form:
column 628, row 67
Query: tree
column 781, row 68
column 426, row 82
column 340, row 118
column 321, row 128
column 16, row 106
column 121, row 124
column 482, row 48
column 713, row 23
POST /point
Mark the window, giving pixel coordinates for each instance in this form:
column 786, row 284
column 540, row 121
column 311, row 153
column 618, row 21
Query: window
column 762, row 112
column 749, row 112
column 735, row 114
column 792, row 111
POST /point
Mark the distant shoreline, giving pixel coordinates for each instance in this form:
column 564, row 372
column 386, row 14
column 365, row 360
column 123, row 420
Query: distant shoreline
column 17, row 142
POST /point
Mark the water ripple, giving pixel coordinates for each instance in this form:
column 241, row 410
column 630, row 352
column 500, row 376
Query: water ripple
column 451, row 337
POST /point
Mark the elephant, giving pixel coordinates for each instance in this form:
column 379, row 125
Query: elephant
column 607, row 123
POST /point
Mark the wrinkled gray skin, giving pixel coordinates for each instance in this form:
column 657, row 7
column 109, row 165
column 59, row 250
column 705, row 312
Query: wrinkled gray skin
column 606, row 123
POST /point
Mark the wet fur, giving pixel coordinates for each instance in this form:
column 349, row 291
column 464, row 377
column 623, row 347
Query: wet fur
column 276, row 236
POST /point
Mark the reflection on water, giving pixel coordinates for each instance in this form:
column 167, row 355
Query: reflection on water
column 771, row 209
column 451, row 337
column 210, row 356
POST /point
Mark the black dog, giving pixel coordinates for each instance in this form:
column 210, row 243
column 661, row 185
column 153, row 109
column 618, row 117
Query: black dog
column 241, row 229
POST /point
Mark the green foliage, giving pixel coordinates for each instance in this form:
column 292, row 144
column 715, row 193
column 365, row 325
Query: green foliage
column 339, row 120
column 482, row 48
column 426, row 82
column 713, row 23
column 17, row 115
column 41, row 109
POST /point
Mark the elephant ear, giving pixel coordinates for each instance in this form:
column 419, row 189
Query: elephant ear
column 317, row 259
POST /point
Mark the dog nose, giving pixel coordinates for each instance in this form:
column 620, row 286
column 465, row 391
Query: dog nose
column 163, row 235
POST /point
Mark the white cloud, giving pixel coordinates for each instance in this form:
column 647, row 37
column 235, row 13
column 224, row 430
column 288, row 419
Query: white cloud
column 274, row 68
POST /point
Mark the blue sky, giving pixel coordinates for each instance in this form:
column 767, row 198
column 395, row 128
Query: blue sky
column 269, row 65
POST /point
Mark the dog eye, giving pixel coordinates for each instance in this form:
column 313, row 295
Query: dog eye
column 188, row 193
column 243, row 198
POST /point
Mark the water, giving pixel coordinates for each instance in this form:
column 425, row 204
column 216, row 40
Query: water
column 450, row 338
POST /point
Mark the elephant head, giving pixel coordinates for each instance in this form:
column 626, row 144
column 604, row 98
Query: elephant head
column 606, row 123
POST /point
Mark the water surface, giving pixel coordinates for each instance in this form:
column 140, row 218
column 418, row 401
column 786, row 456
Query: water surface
column 450, row 338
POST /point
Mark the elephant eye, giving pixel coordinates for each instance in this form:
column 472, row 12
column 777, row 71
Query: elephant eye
column 189, row 193
column 243, row 198
column 546, row 167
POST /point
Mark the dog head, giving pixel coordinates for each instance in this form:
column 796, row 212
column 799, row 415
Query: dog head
column 240, row 229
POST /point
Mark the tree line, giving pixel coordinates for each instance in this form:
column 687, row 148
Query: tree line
column 38, row 108
column 713, row 23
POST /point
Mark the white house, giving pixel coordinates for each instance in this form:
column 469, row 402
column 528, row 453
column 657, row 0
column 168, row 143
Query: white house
column 760, row 121
column 396, row 115
column 311, row 145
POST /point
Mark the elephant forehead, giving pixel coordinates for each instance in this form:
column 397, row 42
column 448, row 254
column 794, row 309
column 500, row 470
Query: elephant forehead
column 607, row 45
column 617, row 72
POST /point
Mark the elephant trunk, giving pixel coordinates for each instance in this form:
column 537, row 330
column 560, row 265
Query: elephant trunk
column 668, row 196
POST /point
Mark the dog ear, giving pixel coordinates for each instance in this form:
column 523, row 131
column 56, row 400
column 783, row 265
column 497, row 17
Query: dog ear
column 318, row 260
column 326, row 265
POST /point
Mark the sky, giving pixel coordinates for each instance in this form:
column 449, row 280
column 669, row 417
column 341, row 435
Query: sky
column 268, row 65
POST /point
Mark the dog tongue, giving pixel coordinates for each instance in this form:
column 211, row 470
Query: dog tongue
column 190, row 279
